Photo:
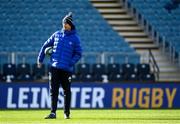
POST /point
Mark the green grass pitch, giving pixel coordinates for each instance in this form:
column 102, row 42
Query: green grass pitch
column 92, row 117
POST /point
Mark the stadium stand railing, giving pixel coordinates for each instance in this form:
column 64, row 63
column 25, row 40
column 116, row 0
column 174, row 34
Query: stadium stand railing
column 155, row 67
column 92, row 67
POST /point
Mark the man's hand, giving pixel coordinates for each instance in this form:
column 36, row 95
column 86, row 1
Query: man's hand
column 39, row 64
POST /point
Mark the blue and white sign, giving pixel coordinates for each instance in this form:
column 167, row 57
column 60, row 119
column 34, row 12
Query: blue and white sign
column 92, row 95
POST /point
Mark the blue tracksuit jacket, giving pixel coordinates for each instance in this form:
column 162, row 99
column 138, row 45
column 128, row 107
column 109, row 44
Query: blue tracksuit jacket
column 66, row 50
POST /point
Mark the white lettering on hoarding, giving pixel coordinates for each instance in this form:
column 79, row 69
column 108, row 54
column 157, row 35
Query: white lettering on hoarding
column 35, row 97
column 74, row 92
column 85, row 95
column 60, row 103
column 10, row 103
column 22, row 97
column 34, row 103
column 45, row 98
column 97, row 97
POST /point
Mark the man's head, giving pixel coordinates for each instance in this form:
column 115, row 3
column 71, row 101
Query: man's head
column 68, row 22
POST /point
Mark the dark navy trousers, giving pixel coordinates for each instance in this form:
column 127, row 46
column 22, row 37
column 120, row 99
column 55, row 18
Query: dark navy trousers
column 60, row 77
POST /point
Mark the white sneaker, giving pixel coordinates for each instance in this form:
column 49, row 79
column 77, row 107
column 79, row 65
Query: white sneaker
column 66, row 116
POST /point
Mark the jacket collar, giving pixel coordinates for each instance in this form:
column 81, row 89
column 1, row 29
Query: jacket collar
column 65, row 32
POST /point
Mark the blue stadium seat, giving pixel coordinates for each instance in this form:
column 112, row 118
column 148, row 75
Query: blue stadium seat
column 24, row 72
column 98, row 68
column 9, row 69
column 132, row 77
column 9, row 72
column 116, row 77
column 87, row 78
column 143, row 69
column 37, row 72
column 75, row 78
column 147, row 78
column 113, row 68
column 128, row 68
column 83, row 68
column 99, row 71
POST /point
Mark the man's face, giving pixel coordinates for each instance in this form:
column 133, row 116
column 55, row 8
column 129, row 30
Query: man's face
column 66, row 26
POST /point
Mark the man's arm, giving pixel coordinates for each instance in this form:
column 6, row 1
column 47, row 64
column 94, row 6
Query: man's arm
column 41, row 55
column 77, row 53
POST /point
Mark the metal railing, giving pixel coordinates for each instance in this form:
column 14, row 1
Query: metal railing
column 104, row 58
column 90, row 57
column 153, row 64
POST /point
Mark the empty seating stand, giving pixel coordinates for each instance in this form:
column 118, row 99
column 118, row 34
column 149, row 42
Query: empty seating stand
column 38, row 20
column 113, row 72
column 163, row 17
column 84, row 72
column 27, row 24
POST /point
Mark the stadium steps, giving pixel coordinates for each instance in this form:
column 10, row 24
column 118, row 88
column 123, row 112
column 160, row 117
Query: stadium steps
column 126, row 26
column 125, row 29
column 122, row 23
column 112, row 11
column 133, row 39
column 113, row 17
column 109, row 5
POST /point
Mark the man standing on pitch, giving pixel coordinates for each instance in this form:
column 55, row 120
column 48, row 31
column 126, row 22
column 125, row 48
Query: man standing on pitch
column 66, row 52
